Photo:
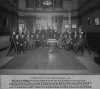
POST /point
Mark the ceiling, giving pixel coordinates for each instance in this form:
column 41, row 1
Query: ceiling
column 74, row 5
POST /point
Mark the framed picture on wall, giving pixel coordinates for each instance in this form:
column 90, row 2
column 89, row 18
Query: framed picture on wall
column 90, row 20
column 97, row 20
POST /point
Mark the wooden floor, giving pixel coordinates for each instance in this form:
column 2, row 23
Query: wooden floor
column 45, row 61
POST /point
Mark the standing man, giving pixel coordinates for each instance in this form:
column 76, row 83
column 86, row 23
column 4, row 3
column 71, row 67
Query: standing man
column 12, row 43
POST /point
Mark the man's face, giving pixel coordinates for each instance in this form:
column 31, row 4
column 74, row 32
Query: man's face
column 13, row 33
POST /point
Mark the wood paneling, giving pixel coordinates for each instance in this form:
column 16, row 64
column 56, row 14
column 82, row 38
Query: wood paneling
column 58, row 3
column 89, row 7
column 30, row 3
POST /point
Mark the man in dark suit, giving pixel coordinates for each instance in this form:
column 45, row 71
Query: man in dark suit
column 12, row 43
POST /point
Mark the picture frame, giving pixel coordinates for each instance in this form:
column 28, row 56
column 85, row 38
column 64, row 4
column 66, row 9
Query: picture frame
column 97, row 21
column 90, row 20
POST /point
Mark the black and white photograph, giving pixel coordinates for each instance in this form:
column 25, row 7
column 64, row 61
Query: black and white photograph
column 49, row 37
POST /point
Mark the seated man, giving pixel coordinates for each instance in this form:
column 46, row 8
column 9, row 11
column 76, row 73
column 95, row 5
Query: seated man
column 37, row 42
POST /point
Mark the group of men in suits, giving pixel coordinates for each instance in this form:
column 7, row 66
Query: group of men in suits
column 20, row 40
column 17, row 41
